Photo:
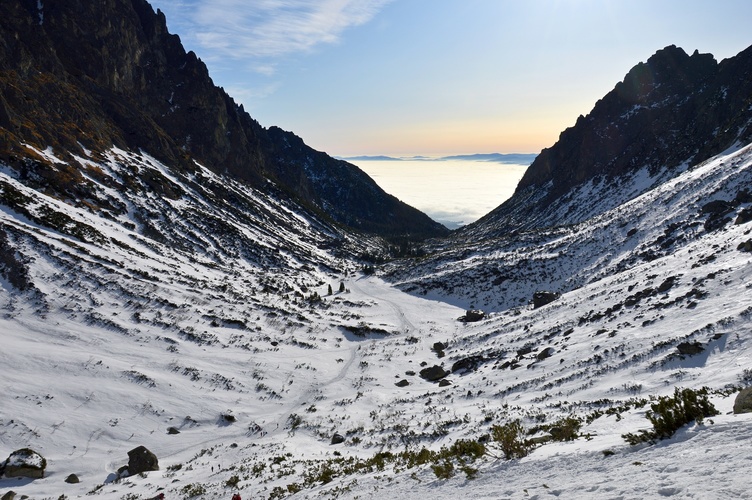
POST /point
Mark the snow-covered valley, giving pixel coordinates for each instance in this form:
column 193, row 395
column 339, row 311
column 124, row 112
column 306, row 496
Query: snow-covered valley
column 235, row 335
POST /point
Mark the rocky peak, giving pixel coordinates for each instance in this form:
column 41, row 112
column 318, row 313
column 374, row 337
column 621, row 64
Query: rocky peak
column 671, row 110
column 669, row 71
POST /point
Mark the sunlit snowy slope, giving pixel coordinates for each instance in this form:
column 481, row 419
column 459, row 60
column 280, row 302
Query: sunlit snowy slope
column 235, row 335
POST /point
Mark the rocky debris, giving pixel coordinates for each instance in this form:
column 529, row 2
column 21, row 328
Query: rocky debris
column 25, row 463
column 402, row 383
column 172, row 430
column 72, row 479
column 13, row 269
column 690, row 348
column 546, row 353
column 744, row 216
column 633, row 299
column 228, row 418
column 667, row 284
column 11, row 495
column 140, row 459
column 438, row 348
column 743, row 401
column 473, row 315
column 466, row 365
column 444, row 383
column 745, row 246
column 717, row 211
column 433, row 373
column 541, row 298
column 524, row 350
column 718, row 208
column 337, row 438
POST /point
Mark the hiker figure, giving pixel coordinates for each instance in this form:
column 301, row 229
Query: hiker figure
column 236, row 496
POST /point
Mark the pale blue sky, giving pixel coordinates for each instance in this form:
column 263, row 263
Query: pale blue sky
column 359, row 77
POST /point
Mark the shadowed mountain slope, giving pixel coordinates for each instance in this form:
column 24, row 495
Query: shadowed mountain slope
column 81, row 77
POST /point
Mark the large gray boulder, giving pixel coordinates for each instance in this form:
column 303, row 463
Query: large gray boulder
column 337, row 438
column 141, row 460
column 433, row 373
column 743, row 401
column 25, row 463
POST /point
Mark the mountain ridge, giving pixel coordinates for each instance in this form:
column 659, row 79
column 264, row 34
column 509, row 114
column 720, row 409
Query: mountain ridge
column 513, row 158
column 79, row 76
column 670, row 112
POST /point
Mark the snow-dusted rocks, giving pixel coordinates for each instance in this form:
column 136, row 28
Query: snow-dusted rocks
column 25, row 463
column 140, row 459
column 433, row 373
column 337, row 438
column 473, row 315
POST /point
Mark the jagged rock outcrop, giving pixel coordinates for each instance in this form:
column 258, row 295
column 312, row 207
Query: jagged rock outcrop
column 82, row 76
column 673, row 110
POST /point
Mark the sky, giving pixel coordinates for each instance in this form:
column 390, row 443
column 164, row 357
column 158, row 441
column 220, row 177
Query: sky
column 402, row 77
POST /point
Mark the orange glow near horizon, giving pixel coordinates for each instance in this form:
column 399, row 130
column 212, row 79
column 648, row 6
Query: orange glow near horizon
column 444, row 138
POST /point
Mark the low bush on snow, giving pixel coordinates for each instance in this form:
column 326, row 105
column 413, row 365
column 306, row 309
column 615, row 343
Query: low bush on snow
column 670, row 413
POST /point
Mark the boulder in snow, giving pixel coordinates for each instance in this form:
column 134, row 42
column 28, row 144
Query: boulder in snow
column 25, row 463
column 140, row 460
column 473, row 315
column 337, row 438
column 433, row 373
column 743, row 401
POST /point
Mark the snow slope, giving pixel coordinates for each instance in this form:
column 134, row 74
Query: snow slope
column 194, row 314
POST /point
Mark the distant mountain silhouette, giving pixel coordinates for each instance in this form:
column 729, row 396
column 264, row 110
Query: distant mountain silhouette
column 515, row 159
column 370, row 158
column 511, row 158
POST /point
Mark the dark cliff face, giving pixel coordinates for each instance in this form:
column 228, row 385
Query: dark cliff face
column 641, row 122
column 78, row 75
column 672, row 109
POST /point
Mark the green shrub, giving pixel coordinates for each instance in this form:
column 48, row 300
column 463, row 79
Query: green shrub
column 566, row 429
column 295, row 421
column 193, row 490
column 467, row 448
column 511, row 439
column 294, row 488
column 670, row 413
column 443, row 470
column 470, row 472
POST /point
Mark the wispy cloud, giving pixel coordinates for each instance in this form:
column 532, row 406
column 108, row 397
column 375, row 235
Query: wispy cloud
column 263, row 30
